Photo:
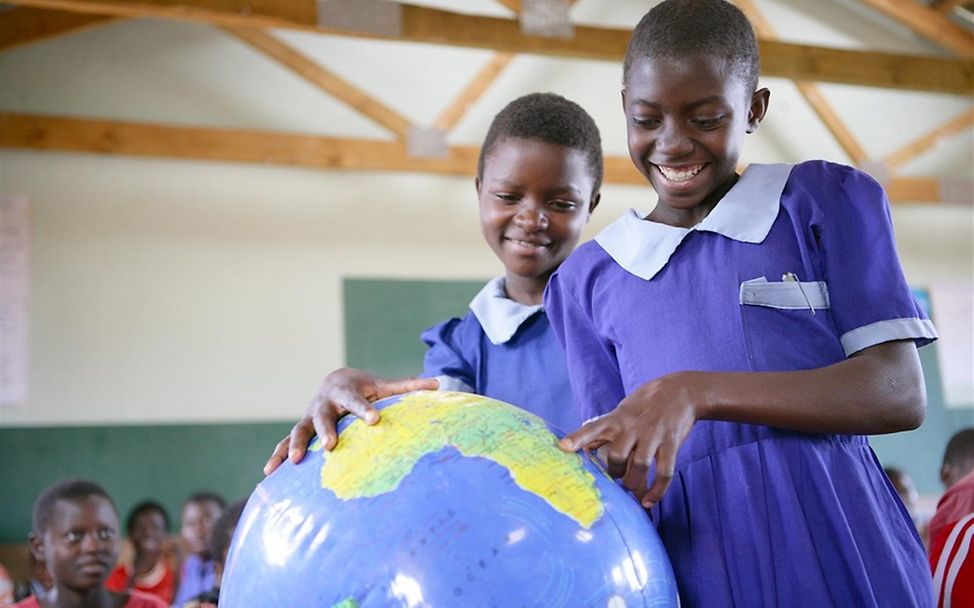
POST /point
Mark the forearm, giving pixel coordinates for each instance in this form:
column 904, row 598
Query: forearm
column 879, row 390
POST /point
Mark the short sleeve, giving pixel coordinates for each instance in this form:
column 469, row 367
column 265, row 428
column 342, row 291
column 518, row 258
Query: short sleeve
column 592, row 367
column 444, row 358
column 870, row 299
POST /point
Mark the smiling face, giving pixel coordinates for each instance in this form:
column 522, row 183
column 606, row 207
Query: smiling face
column 80, row 546
column 535, row 199
column 686, row 120
column 148, row 532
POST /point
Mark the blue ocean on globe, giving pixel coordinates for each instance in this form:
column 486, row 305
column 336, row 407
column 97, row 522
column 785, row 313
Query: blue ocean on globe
column 452, row 499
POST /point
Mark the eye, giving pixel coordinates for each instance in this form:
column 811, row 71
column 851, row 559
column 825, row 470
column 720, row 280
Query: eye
column 106, row 534
column 646, row 122
column 707, row 123
column 74, row 536
column 507, row 197
column 563, row 205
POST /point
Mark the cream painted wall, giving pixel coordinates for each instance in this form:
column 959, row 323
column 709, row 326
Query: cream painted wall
column 166, row 291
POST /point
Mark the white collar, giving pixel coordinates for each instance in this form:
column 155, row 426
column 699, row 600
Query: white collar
column 745, row 214
column 499, row 316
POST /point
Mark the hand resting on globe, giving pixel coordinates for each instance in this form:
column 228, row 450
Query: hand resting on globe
column 344, row 391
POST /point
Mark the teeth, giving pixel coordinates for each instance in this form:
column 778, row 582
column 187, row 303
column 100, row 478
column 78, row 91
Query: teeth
column 679, row 175
column 525, row 243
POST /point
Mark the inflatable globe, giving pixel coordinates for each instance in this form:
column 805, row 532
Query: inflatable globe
column 452, row 499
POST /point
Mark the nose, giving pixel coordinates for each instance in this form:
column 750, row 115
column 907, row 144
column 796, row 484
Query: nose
column 90, row 543
column 531, row 218
column 673, row 140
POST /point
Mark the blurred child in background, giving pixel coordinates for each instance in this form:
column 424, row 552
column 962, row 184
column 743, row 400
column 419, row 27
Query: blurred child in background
column 219, row 547
column 148, row 529
column 952, row 526
column 196, row 573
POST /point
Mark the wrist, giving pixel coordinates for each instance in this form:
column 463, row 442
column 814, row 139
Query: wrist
column 698, row 391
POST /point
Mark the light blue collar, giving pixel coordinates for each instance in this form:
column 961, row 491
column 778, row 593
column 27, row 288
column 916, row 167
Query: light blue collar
column 745, row 214
column 499, row 316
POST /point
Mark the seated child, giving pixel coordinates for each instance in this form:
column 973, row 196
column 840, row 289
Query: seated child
column 196, row 573
column 148, row 529
column 219, row 547
column 75, row 534
column 538, row 181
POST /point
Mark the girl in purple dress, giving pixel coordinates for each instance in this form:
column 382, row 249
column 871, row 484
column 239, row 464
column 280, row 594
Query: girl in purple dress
column 732, row 348
column 538, row 181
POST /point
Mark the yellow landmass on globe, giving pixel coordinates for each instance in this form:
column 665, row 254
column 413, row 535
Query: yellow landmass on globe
column 373, row 460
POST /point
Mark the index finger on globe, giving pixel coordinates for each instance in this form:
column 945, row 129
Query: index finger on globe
column 590, row 436
column 397, row 386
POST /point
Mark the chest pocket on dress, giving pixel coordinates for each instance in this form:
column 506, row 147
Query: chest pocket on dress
column 788, row 324
column 787, row 294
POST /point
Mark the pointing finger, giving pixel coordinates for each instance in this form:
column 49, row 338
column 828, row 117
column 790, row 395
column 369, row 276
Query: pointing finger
column 389, row 387
column 593, row 434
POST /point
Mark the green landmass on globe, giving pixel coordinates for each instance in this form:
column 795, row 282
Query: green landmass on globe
column 477, row 427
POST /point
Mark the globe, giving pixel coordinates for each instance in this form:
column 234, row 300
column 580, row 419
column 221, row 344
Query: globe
column 452, row 499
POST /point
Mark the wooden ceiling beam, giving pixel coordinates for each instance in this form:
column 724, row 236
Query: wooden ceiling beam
column 946, row 7
column 50, row 133
column 929, row 23
column 434, row 26
column 25, row 25
column 452, row 114
column 812, row 94
column 929, row 140
column 245, row 13
column 325, row 80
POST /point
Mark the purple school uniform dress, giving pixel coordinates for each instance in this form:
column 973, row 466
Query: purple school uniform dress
column 504, row 350
column 757, row 516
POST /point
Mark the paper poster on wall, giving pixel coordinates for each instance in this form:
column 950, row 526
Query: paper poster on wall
column 952, row 305
column 14, row 295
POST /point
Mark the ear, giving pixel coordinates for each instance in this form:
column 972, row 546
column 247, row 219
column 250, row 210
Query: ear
column 593, row 204
column 476, row 185
column 945, row 474
column 758, row 108
column 35, row 543
column 623, row 100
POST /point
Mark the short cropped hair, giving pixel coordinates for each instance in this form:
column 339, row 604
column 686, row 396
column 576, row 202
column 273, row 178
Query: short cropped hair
column 66, row 489
column 224, row 528
column 201, row 497
column 551, row 119
column 146, row 506
column 679, row 28
column 960, row 450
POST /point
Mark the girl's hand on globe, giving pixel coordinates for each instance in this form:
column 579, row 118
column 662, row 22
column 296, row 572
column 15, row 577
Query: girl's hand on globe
column 649, row 424
column 344, row 391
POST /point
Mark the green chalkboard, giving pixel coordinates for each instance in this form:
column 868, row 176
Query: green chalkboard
column 164, row 462
column 384, row 318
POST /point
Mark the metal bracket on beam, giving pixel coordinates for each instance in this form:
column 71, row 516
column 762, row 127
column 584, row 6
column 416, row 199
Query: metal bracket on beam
column 427, row 142
column 361, row 16
column 548, row 18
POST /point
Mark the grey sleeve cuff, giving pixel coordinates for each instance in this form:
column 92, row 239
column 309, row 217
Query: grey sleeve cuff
column 920, row 330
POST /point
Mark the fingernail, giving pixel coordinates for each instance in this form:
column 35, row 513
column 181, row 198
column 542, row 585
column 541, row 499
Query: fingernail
column 565, row 444
column 648, row 504
column 371, row 417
